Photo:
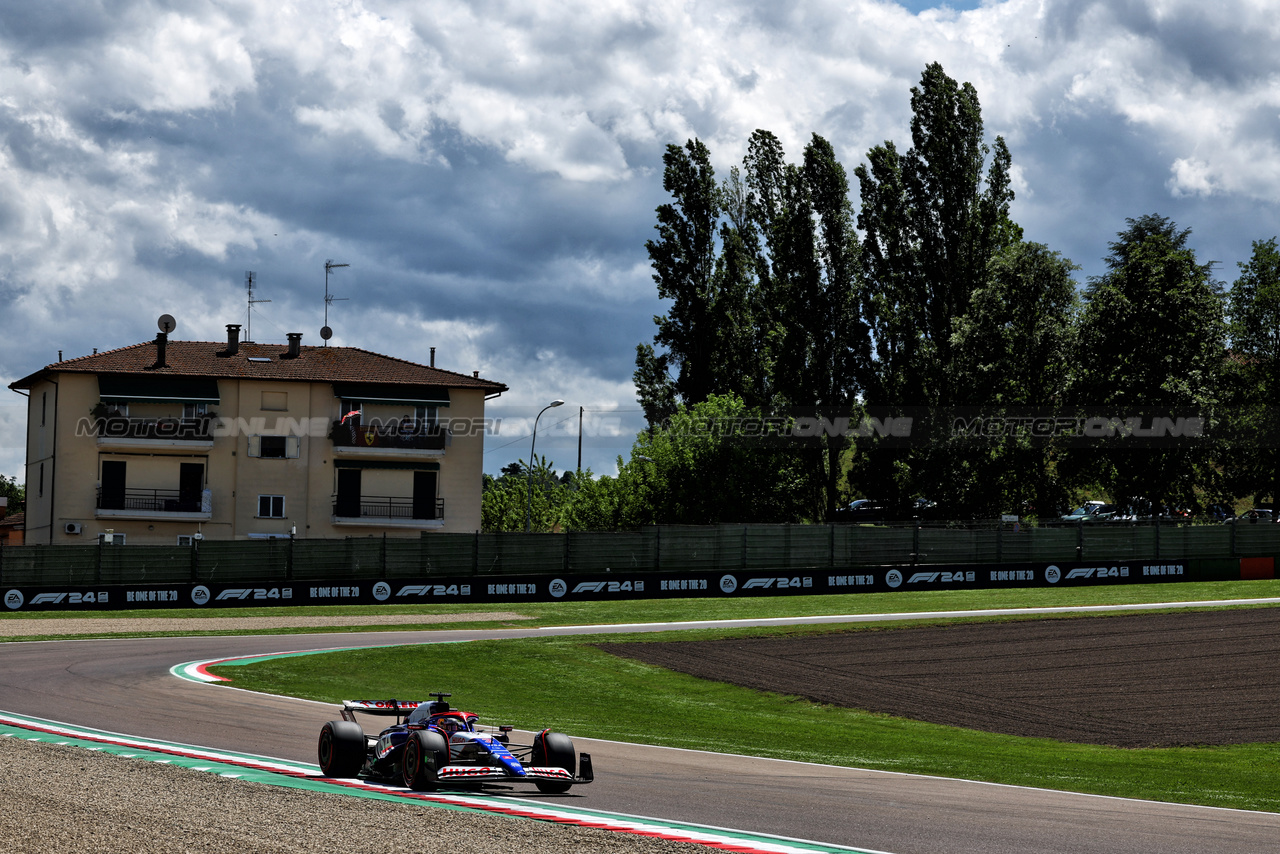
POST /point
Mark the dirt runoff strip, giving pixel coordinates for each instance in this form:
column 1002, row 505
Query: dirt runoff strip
column 91, row 626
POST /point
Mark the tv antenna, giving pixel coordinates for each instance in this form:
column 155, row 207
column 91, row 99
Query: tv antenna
column 249, row 278
column 325, row 332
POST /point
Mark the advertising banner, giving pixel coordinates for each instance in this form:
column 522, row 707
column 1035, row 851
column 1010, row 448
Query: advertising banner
column 599, row 586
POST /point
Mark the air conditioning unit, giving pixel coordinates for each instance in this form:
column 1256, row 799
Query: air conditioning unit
column 74, row 528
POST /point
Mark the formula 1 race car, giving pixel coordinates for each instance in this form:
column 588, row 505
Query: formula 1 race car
column 431, row 745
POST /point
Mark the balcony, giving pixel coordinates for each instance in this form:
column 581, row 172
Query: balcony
column 402, row 440
column 389, row 512
column 154, row 504
column 122, row 432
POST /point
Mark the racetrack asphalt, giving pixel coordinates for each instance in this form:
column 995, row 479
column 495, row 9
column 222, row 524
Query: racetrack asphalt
column 125, row 686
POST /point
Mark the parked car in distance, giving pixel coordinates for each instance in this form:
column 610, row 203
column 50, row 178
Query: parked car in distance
column 1089, row 512
column 863, row 510
column 1255, row 516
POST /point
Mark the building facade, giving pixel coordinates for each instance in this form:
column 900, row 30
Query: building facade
column 165, row 441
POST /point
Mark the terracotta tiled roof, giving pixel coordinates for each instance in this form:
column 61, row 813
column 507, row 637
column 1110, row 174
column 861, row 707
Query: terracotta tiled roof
column 313, row 364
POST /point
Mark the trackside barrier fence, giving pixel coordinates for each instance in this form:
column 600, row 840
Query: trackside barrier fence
column 657, row 549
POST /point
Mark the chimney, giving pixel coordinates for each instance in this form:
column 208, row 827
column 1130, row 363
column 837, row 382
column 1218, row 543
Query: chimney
column 433, row 357
column 295, row 345
column 475, row 374
column 162, row 342
column 233, row 338
column 4, row 506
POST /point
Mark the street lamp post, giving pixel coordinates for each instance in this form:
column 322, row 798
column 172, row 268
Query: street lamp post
column 528, row 504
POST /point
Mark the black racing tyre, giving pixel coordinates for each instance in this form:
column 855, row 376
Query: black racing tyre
column 341, row 749
column 424, row 752
column 553, row 749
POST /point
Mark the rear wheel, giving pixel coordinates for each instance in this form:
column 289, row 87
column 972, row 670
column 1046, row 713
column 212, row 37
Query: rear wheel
column 424, row 753
column 553, row 749
column 341, row 749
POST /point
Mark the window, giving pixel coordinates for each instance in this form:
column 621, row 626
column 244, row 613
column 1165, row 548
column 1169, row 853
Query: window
column 110, row 538
column 427, row 417
column 44, row 402
column 275, row 447
column 194, row 410
column 186, row 539
column 271, row 506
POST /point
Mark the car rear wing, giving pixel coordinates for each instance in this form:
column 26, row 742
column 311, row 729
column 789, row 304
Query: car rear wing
column 385, row 708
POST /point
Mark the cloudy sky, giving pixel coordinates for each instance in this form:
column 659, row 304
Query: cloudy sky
column 489, row 170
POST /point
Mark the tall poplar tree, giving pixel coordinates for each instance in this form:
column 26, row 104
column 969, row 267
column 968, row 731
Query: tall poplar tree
column 1152, row 339
column 933, row 221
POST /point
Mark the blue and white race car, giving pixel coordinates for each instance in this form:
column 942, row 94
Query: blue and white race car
column 432, row 745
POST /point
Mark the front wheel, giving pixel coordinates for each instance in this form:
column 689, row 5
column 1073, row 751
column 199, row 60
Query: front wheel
column 424, row 753
column 555, row 750
column 341, row 749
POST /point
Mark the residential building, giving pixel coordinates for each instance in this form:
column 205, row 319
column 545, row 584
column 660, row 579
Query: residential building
column 166, row 441
column 11, row 524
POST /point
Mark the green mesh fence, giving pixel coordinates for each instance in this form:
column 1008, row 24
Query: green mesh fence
column 667, row 548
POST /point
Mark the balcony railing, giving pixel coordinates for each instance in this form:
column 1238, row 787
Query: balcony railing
column 176, row 429
column 386, row 507
column 151, row 501
column 405, row 436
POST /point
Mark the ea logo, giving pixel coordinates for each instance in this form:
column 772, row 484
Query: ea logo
column 893, row 578
column 13, row 600
column 558, row 588
column 728, row 584
column 382, row 591
column 200, row 595
column 1052, row 575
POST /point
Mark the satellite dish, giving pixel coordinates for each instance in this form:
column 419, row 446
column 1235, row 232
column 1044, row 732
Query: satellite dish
column 166, row 323
column 326, row 333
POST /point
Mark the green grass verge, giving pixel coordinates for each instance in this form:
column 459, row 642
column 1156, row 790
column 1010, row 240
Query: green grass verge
column 568, row 684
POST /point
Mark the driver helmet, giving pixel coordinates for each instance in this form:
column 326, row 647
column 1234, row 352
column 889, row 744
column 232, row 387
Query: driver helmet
column 452, row 724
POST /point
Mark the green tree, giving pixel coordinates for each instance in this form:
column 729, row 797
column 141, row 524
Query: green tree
column 1014, row 350
column 13, row 490
column 800, row 224
column 706, row 466
column 700, row 330
column 1253, row 306
column 768, row 312
column 521, row 493
column 933, row 220
column 1152, row 339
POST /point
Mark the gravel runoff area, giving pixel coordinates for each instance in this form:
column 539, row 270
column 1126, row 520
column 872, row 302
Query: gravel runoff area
column 100, row 626
column 68, row 800
column 1148, row 680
